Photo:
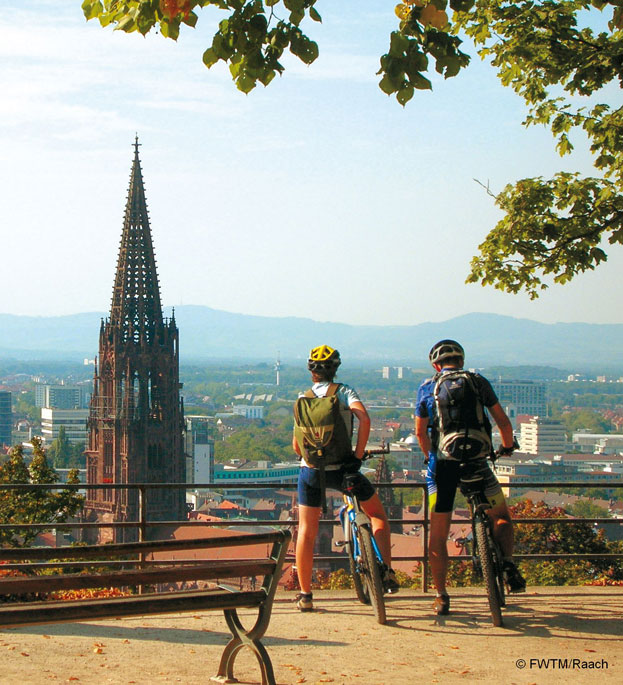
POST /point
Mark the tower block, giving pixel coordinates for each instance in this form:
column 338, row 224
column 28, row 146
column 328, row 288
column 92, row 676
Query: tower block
column 135, row 424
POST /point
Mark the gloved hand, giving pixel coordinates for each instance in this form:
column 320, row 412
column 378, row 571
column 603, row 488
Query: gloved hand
column 507, row 451
column 352, row 465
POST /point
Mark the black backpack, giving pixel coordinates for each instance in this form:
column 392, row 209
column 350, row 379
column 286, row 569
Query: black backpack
column 461, row 428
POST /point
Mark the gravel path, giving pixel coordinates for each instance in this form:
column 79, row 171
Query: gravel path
column 341, row 643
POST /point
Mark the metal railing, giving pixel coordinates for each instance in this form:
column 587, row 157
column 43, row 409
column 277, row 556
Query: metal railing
column 142, row 524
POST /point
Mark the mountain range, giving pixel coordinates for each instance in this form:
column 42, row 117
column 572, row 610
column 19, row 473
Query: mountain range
column 211, row 334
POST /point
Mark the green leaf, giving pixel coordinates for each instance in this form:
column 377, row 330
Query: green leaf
column 404, row 95
column 92, row 9
column 190, row 19
column 313, row 13
column 387, row 85
column 127, row 24
column 245, row 83
column 170, row 29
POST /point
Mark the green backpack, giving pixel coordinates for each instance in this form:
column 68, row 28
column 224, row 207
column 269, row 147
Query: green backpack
column 320, row 430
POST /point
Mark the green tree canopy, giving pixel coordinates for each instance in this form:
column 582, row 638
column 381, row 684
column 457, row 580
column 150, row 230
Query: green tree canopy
column 65, row 455
column 60, row 449
column 585, row 418
column 553, row 538
column 33, row 506
column 559, row 538
column 548, row 51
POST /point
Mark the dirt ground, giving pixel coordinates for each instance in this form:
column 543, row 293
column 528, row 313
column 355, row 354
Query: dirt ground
column 341, row 643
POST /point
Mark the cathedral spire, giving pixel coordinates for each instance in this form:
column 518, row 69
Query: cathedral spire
column 136, row 311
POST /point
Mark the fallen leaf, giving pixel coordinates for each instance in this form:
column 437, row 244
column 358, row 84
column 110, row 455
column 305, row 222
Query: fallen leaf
column 453, row 647
column 590, row 650
column 126, row 642
column 47, row 637
column 302, row 637
column 24, row 654
column 97, row 650
column 191, row 651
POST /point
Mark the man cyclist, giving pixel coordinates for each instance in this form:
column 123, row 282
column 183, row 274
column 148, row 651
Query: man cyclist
column 323, row 363
column 443, row 473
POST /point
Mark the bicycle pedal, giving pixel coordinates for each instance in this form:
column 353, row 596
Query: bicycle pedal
column 340, row 543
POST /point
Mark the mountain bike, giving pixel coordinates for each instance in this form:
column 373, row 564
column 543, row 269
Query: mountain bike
column 364, row 557
column 487, row 556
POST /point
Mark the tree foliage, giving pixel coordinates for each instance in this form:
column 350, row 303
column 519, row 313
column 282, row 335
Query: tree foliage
column 585, row 418
column 258, row 442
column 33, row 506
column 552, row 538
column 548, row 51
column 63, row 454
column 549, row 54
column 561, row 538
column 251, row 39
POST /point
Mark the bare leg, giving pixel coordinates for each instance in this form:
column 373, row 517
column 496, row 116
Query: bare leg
column 502, row 528
column 438, row 549
column 305, row 541
column 380, row 526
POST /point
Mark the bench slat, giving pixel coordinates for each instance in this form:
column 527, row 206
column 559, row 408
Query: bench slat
column 205, row 571
column 125, row 548
column 37, row 613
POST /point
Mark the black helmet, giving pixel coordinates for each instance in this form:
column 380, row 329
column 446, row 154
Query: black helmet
column 445, row 349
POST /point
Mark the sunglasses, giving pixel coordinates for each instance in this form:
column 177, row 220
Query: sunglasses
column 320, row 366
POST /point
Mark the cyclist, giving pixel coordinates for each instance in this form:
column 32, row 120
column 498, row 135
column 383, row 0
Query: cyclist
column 443, row 474
column 323, row 363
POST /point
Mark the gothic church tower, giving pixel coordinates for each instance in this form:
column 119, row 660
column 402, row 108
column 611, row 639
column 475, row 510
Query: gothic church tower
column 136, row 417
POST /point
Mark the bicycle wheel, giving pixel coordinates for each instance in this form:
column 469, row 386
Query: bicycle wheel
column 355, row 570
column 488, row 571
column 371, row 572
column 498, row 567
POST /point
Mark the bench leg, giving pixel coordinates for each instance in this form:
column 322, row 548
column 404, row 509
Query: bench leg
column 243, row 638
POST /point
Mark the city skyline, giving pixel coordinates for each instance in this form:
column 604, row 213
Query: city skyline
column 252, row 196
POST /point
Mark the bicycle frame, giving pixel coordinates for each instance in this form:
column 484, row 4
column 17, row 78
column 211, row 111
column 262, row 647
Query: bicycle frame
column 353, row 516
column 364, row 557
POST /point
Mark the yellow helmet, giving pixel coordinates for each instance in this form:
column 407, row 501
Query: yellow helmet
column 323, row 356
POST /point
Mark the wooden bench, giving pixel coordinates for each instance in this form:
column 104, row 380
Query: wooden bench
column 136, row 572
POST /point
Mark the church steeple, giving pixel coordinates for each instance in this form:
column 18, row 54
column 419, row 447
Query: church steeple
column 136, row 419
column 136, row 311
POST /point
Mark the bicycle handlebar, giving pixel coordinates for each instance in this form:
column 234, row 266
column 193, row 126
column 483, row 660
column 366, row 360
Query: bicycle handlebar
column 368, row 454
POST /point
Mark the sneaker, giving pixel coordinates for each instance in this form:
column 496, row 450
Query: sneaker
column 441, row 605
column 513, row 577
column 304, row 601
column 390, row 582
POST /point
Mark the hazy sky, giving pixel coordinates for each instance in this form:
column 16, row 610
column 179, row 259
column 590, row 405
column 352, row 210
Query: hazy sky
column 318, row 196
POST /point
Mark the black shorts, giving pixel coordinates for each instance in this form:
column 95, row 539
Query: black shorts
column 442, row 480
column 309, row 485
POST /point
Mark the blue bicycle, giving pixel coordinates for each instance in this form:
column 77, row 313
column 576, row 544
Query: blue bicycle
column 364, row 557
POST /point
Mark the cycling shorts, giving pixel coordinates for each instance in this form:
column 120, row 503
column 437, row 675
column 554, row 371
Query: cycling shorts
column 309, row 485
column 442, row 480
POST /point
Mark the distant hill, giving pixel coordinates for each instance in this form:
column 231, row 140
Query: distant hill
column 207, row 333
